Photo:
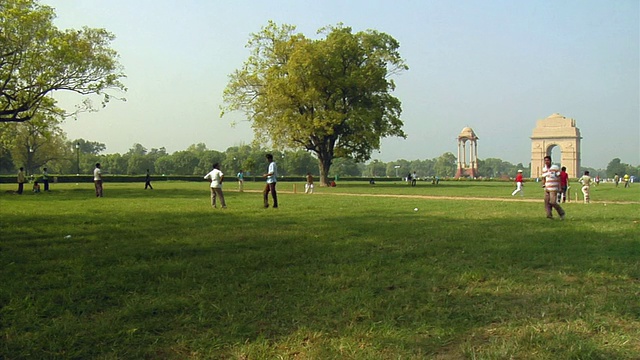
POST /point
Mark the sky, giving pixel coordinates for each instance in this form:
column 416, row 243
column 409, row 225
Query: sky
column 497, row 66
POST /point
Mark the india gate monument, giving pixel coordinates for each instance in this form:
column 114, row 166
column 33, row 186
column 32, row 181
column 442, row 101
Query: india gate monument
column 556, row 130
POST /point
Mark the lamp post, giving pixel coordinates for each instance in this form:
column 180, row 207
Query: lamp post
column 29, row 161
column 78, row 158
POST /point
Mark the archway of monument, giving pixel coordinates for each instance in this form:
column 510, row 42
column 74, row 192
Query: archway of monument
column 556, row 132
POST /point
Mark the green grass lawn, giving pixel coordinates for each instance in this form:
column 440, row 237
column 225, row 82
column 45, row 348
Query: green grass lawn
column 161, row 275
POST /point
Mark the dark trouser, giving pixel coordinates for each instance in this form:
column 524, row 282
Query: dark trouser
column 148, row 184
column 270, row 187
column 563, row 193
column 46, row 184
column 20, row 188
column 551, row 202
column 98, row 184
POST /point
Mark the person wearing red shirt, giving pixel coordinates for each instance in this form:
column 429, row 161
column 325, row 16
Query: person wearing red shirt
column 518, row 184
column 564, row 183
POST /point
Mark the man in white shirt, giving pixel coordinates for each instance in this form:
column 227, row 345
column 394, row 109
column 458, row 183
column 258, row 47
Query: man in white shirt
column 585, row 180
column 97, row 180
column 270, row 187
column 215, row 178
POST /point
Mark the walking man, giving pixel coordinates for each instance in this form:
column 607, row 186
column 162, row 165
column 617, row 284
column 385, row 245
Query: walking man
column 551, row 185
column 270, row 187
column 147, row 181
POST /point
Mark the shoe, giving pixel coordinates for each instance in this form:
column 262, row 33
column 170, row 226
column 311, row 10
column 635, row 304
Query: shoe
column 562, row 217
column 550, row 217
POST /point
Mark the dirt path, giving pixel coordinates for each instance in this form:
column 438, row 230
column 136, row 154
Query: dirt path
column 433, row 197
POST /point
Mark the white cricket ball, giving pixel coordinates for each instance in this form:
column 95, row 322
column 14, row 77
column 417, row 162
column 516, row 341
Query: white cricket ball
column 416, row 209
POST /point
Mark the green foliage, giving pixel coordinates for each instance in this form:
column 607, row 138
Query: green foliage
column 88, row 147
column 445, row 165
column 38, row 58
column 330, row 96
column 325, row 276
column 37, row 143
column 616, row 166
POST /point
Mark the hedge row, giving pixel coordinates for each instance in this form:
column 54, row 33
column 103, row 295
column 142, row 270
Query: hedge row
column 7, row 179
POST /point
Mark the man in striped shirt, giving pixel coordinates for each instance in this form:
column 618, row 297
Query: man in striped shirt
column 551, row 184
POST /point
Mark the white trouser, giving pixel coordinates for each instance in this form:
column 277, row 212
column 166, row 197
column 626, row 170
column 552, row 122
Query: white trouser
column 585, row 192
column 518, row 189
column 308, row 188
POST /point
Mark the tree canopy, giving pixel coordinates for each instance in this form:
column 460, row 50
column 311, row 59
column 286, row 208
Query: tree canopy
column 330, row 96
column 36, row 59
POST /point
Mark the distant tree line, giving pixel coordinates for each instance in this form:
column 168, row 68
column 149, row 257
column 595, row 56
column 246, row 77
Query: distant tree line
column 34, row 145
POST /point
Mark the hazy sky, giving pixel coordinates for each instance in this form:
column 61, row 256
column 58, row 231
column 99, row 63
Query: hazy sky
column 496, row 66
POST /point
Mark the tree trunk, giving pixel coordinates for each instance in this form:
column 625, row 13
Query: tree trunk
column 324, row 163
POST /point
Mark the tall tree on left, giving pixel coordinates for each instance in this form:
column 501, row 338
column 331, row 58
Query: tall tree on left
column 36, row 59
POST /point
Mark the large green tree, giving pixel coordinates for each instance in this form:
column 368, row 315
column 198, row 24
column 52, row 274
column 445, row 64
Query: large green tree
column 331, row 96
column 445, row 165
column 36, row 59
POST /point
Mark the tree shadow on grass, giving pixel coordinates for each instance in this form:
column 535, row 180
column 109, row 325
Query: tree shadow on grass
column 346, row 274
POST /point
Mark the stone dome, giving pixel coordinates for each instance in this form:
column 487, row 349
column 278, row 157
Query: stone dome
column 467, row 133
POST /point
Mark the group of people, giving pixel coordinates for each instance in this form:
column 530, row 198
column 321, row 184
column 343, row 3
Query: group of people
column 412, row 178
column 22, row 179
column 216, row 178
column 555, row 181
column 626, row 179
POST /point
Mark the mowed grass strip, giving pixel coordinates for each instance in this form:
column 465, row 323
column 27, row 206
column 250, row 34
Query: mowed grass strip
column 160, row 275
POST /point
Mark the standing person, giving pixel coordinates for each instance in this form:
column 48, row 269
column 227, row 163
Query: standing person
column 21, row 180
column 45, row 179
column 271, row 176
column 414, row 178
column 240, row 177
column 564, row 183
column 625, row 179
column 147, row 181
column 585, row 180
column 308, row 187
column 518, row 184
column 616, row 179
column 551, row 184
column 97, row 180
column 215, row 178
